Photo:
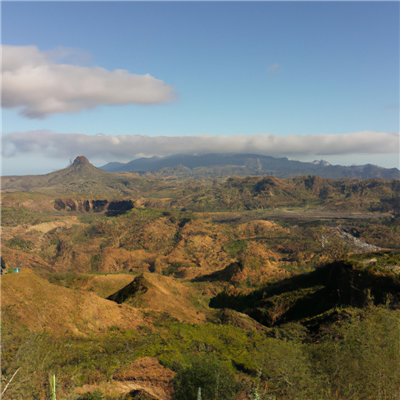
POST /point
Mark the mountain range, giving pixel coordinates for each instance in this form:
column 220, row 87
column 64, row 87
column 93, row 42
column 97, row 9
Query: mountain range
column 83, row 187
column 184, row 165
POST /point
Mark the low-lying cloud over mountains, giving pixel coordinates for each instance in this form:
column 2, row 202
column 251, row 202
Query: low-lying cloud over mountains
column 34, row 83
column 50, row 144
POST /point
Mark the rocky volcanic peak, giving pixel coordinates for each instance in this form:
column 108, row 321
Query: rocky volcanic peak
column 80, row 160
column 81, row 166
column 80, row 177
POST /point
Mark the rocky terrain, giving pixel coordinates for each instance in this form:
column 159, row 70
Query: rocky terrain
column 145, row 288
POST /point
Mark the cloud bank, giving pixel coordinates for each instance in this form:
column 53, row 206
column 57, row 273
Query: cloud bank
column 33, row 82
column 50, row 144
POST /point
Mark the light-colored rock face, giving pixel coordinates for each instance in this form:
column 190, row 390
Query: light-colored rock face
column 145, row 375
column 148, row 374
column 49, row 226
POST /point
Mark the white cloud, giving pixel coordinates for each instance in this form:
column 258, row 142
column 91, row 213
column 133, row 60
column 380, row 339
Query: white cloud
column 276, row 68
column 50, row 144
column 33, row 82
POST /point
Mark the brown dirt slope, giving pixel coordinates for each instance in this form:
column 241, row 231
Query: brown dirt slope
column 30, row 301
column 104, row 285
column 160, row 293
column 17, row 258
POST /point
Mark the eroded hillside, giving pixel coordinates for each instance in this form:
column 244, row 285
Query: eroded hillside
column 137, row 292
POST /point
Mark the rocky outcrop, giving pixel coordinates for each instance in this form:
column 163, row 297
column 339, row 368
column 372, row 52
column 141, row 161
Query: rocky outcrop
column 153, row 381
column 93, row 205
column 139, row 285
column 225, row 274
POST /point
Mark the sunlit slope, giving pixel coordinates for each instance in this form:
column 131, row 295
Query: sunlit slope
column 32, row 302
column 160, row 293
column 147, row 291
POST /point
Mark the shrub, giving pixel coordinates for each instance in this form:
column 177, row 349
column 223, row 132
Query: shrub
column 232, row 248
column 362, row 360
column 96, row 395
column 18, row 243
column 215, row 378
column 95, row 262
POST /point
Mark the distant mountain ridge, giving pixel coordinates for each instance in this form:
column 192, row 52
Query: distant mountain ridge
column 247, row 164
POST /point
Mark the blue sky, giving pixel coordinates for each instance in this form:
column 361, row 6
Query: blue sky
column 230, row 68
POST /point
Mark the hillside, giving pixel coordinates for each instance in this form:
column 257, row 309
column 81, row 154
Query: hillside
column 149, row 288
column 160, row 293
column 253, row 193
column 85, row 188
column 80, row 177
column 59, row 310
column 312, row 298
column 245, row 165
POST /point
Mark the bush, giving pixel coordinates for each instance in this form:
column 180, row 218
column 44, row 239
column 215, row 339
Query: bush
column 18, row 243
column 95, row 262
column 232, row 248
column 96, row 395
column 215, row 378
column 362, row 360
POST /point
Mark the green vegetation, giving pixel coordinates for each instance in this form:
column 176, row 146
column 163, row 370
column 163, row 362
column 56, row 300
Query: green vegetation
column 233, row 248
column 305, row 296
column 91, row 218
column 11, row 216
column 70, row 281
column 215, row 378
column 96, row 395
column 18, row 243
column 357, row 358
column 289, row 288
column 307, row 192
column 95, row 261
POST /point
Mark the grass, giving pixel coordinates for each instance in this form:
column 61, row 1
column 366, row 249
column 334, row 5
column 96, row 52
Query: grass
column 293, row 366
column 18, row 243
column 235, row 247
column 288, row 368
column 13, row 216
column 70, row 281
column 284, row 354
